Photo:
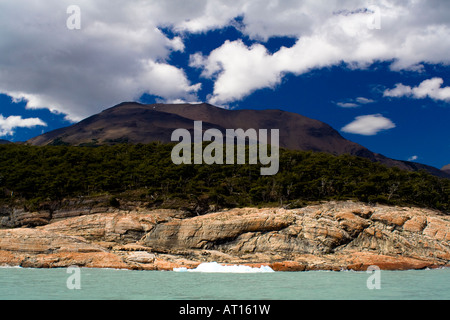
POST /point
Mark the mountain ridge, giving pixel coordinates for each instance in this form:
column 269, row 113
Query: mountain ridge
column 446, row 168
column 133, row 122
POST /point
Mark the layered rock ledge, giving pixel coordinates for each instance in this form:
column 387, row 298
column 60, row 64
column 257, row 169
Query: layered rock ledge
column 328, row 236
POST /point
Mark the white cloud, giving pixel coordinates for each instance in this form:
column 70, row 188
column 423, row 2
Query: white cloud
column 413, row 158
column 120, row 52
column 204, row 15
column 117, row 55
column 329, row 34
column 8, row 125
column 247, row 69
column 431, row 88
column 355, row 103
column 347, row 105
column 369, row 125
column 363, row 100
column 400, row 90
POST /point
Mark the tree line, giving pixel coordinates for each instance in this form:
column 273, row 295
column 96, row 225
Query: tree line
column 145, row 172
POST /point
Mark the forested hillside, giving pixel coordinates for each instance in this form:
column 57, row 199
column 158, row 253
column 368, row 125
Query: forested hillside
column 31, row 174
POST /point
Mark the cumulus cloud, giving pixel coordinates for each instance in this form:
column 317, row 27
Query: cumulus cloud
column 431, row 88
column 413, row 158
column 398, row 91
column 8, row 125
column 328, row 34
column 246, row 69
column 117, row 55
column 369, row 125
column 121, row 53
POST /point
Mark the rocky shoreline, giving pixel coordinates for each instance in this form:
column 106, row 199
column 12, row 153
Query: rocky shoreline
column 328, row 236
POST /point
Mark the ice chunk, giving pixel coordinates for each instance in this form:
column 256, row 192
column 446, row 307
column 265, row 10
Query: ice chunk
column 214, row 267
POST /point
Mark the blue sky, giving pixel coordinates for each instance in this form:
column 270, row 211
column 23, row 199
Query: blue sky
column 378, row 72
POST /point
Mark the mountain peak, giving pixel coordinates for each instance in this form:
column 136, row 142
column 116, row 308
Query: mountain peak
column 446, row 168
column 132, row 122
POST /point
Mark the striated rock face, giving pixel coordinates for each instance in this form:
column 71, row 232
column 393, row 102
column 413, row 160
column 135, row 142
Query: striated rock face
column 210, row 231
column 43, row 249
column 329, row 236
column 119, row 228
column 327, row 231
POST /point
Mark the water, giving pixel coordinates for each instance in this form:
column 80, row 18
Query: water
column 108, row 284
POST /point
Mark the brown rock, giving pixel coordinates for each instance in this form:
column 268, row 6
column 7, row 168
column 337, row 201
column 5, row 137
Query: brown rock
column 67, row 259
column 415, row 224
column 40, row 242
column 352, row 223
column 166, row 265
column 33, row 248
column 141, row 257
column 396, row 218
column 360, row 261
column 67, row 213
column 110, row 227
column 288, row 266
column 14, row 218
column 10, row 259
column 206, row 231
column 328, row 236
column 438, row 228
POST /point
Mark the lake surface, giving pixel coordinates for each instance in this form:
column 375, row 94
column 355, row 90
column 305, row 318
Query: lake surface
column 108, row 284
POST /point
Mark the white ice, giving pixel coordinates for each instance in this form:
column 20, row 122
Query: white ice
column 214, row 267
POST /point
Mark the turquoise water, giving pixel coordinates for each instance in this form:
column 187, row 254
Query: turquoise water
column 107, row 284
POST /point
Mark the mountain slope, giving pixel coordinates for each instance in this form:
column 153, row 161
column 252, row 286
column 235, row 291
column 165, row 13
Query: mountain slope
column 446, row 168
column 296, row 131
column 136, row 123
column 128, row 122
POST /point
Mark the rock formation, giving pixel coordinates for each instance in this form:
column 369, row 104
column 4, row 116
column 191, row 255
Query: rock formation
column 328, row 236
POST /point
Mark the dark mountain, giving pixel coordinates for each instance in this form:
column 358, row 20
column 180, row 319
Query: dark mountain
column 446, row 168
column 127, row 122
column 4, row 141
column 136, row 123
